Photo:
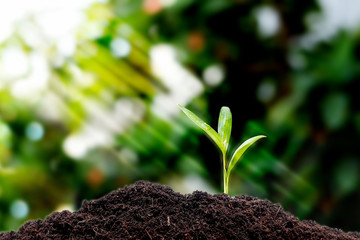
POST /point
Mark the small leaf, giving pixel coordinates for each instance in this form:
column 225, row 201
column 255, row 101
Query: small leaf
column 207, row 129
column 240, row 151
column 224, row 126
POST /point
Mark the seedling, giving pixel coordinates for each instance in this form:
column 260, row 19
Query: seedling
column 221, row 139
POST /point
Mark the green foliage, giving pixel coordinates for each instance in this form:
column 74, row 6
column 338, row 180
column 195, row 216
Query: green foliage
column 221, row 139
column 104, row 108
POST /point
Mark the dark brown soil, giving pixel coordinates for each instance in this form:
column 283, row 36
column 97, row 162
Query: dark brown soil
column 151, row 211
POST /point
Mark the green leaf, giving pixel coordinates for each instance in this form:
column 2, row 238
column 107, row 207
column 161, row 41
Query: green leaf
column 207, row 129
column 240, row 151
column 224, row 126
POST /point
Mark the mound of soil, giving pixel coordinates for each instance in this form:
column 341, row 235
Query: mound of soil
column 151, row 211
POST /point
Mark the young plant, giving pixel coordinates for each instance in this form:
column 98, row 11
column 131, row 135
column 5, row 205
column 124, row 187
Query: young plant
column 221, row 139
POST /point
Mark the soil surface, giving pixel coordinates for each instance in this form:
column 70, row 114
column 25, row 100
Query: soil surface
column 151, row 211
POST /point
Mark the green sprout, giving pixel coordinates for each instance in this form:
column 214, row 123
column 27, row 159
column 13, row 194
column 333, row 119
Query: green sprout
column 221, row 139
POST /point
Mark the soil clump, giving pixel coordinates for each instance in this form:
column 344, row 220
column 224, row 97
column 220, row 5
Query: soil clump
column 151, row 211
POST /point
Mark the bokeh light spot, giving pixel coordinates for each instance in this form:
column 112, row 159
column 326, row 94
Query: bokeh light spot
column 168, row 3
column 95, row 177
column 34, row 131
column 152, row 6
column 19, row 209
column 120, row 47
column 125, row 30
column 66, row 46
column 196, row 41
column 213, row 75
column 266, row 91
column 128, row 156
column 297, row 61
column 268, row 21
column 14, row 61
column 5, row 135
column 74, row 147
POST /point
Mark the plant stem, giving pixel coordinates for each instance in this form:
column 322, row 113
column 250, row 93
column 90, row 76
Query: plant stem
column 227, row 181
column 225, row 185
column 225, row 175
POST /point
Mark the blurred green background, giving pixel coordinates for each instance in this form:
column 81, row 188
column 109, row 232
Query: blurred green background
column 89, row 92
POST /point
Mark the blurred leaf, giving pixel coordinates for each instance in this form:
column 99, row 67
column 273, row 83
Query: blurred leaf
column 346, row 176
column 5, row 134
column 335, row 110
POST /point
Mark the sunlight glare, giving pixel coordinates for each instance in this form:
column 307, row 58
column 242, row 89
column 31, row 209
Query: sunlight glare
column 181, row 84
